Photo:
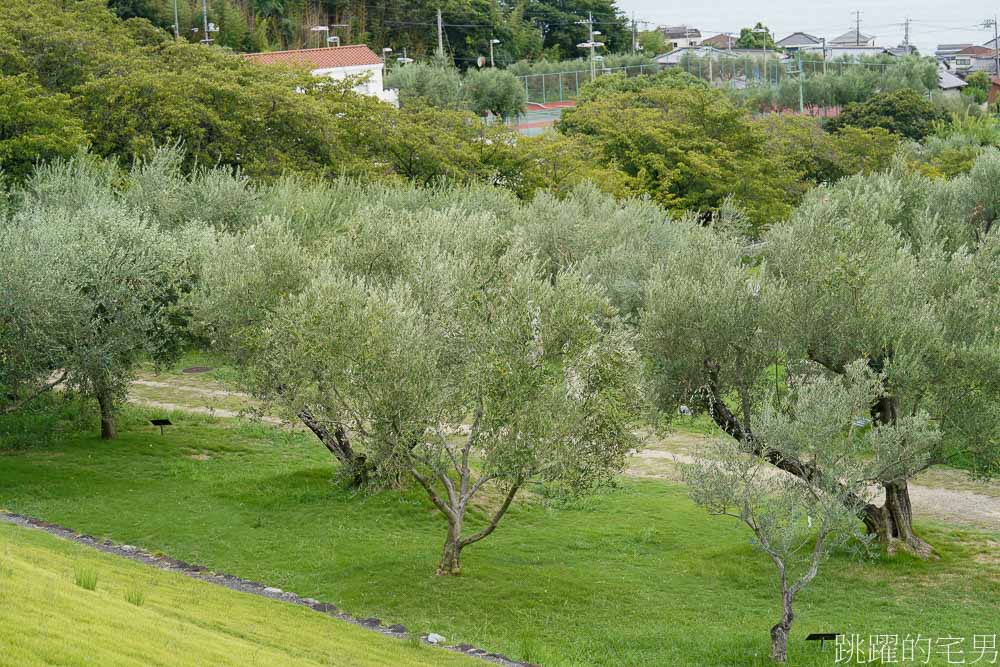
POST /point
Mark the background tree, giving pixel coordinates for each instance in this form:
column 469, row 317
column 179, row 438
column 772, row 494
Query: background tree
column 495, row 91
column 756, row 37
column 34, row 126
column 904, row 112
column 978, row 87
column 652, row 42
column 688, row 148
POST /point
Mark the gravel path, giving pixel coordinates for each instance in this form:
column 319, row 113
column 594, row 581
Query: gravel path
column 951, row 505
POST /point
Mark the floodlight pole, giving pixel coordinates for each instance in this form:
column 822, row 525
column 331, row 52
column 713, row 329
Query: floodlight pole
column 204, row 17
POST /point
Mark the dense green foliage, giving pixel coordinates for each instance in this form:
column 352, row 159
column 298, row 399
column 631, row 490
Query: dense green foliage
column 903, row 112
column 493, row 91
column 687, row 146
column 34, row 126
column 260, row 25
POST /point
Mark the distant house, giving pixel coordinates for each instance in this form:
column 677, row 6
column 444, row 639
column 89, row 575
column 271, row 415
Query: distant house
column 721, row 41
column 338, row 63
column 974, row 59
column 681, row 36
column 852, row 52
column 800, row 41
column 945, row 53
column 853, row 38
column 902, row 50
column 676, row 56
column 948, row 82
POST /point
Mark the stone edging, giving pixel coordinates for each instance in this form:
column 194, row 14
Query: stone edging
column 203, row 573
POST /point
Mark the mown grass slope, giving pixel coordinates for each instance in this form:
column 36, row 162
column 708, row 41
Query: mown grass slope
column 636, row 576
column 46, row 618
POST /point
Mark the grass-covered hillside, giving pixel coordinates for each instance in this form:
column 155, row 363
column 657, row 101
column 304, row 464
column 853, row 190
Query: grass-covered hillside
column 65, row 604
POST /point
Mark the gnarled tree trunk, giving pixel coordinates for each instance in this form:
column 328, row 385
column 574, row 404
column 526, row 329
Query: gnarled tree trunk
column 106, row 402
column 892, row 523
column 451, row 557
column 780, row 630
column 339, row 444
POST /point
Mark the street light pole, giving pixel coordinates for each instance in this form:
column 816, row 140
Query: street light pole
column 204, row 16
column 492, row 42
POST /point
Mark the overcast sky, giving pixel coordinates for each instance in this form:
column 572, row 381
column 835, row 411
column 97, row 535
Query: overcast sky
column 933, row 22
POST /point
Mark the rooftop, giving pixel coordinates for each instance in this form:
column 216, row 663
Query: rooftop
column 323, row 58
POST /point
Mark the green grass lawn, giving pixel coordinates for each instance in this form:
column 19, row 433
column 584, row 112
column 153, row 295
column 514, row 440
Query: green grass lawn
column 636, row 576
column 138, row 615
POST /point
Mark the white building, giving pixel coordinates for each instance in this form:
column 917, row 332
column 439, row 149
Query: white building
column 853, row 38
column 680, row 36
column 338, row 63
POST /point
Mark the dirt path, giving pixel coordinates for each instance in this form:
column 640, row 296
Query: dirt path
column 220, row 393
column 945, row 494
column 215, row 412
column 948, row 504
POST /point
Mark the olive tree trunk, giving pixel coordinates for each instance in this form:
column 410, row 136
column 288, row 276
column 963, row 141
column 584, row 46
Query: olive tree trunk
column 451, row 557
column 892, row 523
column 780, row 630
column 338, row 443
column 107, row 405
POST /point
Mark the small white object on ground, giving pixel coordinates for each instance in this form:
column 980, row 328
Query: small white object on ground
column 434, row 638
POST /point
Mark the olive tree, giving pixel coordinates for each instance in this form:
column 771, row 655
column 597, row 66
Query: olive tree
column 796, row 522
column 872, row 270
column 724, row 322
column 93, row 289
column 436, row 348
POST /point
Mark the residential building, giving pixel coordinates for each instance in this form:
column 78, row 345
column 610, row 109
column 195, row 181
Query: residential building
column 852, row 38
column 800, row 41
column 974, row 59
column 677, row 55
column 902, row 50
column 724, row 41
column 679, row 37
column 337, row 63
column 945, row 53
column 949, row 84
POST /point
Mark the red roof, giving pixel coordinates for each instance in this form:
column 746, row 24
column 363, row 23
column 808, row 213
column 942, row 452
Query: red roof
column 975, row 51
column 324, row 58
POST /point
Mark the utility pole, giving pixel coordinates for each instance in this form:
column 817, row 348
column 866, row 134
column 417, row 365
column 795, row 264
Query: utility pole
column 996, row 43
column 177, row 24
column 857, row 27
column 440, row 35
column 802, row 104
column 590, row 44
column 633, row 33
column 824, row 55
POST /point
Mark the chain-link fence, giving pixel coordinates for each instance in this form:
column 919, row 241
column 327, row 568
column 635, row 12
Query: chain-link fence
column 565, row 86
